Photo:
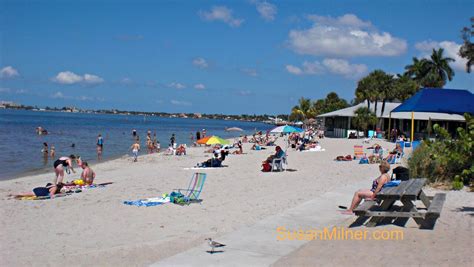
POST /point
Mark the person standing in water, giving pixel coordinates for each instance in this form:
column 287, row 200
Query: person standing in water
column 100, row 147
column 135, row 148
column 53, row 152
column 172, row 140
column 59, row 166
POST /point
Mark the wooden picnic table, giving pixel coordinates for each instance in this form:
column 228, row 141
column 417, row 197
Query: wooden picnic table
column 408, row 192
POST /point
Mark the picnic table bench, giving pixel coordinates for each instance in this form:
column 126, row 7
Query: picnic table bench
column 408, row 192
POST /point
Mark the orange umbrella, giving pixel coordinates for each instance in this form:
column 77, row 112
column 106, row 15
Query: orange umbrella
column 204, row 140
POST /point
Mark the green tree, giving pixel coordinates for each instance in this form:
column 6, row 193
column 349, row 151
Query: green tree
column 364, row 118
column 467, row 49
column 303, row 110
column 404, row 88
column 433, row 72
column 332, row 102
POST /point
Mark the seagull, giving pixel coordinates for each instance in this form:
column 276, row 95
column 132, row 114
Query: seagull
column 214, row 244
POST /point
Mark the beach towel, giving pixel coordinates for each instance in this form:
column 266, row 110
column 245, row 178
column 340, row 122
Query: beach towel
column 392, row 183
column 314, row 149
column 148, row 202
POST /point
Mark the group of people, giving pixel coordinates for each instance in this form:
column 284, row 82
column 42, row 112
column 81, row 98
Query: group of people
column 62, row 165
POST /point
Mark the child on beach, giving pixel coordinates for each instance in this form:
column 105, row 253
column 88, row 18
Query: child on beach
column 135, row 148
column 53, row 151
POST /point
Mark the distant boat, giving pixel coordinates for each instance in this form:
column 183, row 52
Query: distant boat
column 234, row 129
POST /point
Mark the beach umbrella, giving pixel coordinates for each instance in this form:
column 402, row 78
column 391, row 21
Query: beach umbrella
column 234, row 129
column 203, row 141
column 216, row 140
column 286, row 129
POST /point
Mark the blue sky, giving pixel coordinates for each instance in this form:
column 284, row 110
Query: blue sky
column 229, row 57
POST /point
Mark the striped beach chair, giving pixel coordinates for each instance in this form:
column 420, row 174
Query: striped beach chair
column 194, row 188
column 358, row 151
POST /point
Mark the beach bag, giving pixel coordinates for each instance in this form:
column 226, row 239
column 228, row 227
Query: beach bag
column 266, row 167
column 364, row 161
column 176, row 196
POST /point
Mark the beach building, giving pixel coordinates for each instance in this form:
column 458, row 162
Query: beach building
column 339, row 123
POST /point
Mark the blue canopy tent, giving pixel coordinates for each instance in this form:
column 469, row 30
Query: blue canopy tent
column 437, row 100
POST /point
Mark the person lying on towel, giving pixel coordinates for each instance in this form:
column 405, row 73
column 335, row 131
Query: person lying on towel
column 47, row 191
column 214, row 162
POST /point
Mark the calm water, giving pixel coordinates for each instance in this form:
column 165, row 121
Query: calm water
column 21, row 146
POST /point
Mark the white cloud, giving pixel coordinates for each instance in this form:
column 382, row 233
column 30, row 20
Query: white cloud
column 221, row 13
column 266, row 10
column 58, row 95
column 8, row 72
column 199, row 86
column 344, row 36
column 250, row 72
column 329, row 65
column 85, row 98
column 180, row 103
column 451, row 50
column 294, row 70
column 245, row 93
column 90, row 78
column 176, row 85
column 344, row 68
column 68, row 77
column 5, row 90
column 200, row 63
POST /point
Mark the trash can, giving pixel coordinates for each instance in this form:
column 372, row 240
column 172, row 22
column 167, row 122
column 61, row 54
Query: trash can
column 401, row 173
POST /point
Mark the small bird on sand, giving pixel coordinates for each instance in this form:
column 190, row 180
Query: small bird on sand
column 214, row 244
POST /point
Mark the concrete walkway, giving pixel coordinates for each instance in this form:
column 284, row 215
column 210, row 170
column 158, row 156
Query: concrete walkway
column 257, row 245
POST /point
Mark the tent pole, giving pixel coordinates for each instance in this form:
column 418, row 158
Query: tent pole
column 412, row 125
column 389, row 130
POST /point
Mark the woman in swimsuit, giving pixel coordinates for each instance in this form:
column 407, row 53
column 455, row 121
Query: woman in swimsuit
column 59, row 165
column 49, row 190
column 377, row 185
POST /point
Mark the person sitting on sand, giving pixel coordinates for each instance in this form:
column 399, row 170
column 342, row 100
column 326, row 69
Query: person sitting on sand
column 59, row 165
column 240, row 151
column 215, row 161
column 181, row 150
column 88, row 175
column 377, row 153
column 370, row 194
column 48, row 190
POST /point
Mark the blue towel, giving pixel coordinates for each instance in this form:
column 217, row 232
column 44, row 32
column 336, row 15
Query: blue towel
column 392, row 183
column 148, row 202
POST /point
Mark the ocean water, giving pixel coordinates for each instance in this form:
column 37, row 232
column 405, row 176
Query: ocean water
column 21, row 147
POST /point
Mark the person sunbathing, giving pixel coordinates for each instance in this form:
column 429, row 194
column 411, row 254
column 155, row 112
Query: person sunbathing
column 377, row 153
column 393, row 154
column 370, row 194
column 344, row 158
column 215, row 161
column 181, row 150
column 48, row 190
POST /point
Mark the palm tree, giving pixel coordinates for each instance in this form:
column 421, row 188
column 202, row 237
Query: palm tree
column 304, row 109
column 438, row 69
column 363, row 119
column 417, row 70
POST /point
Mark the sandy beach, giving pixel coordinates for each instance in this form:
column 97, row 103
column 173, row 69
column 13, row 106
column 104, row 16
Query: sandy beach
column 95, row 227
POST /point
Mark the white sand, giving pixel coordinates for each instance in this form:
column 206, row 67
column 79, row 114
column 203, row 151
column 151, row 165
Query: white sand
column 94, row 227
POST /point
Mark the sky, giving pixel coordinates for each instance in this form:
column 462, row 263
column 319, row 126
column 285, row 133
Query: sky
column 230, row 57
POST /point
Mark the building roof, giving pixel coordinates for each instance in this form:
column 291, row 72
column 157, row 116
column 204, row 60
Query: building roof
column 389, row 107
column 438, row 100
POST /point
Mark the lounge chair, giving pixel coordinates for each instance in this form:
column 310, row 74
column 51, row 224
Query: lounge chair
column 194, row 188
column 277, row 163
column 358, row 152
